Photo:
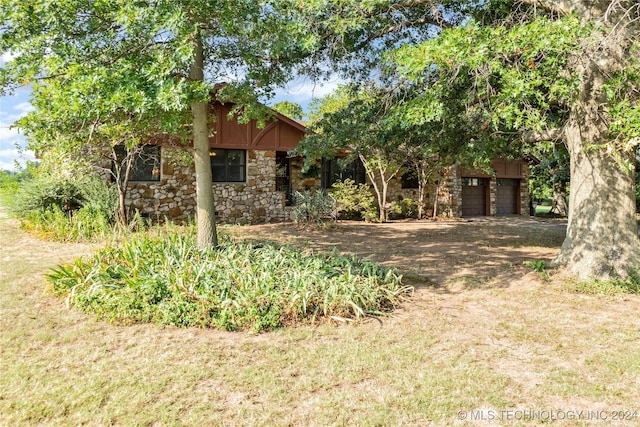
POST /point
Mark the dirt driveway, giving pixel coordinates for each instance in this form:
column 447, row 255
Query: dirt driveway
column 480, row 252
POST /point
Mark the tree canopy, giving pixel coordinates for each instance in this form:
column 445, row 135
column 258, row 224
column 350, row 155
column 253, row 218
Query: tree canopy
column 534, row 71
column 491, row 77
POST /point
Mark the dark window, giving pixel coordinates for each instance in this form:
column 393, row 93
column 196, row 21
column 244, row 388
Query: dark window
column 409, row 179
column 146, row 165
column 473, row 182
column 228, row 165
column 335, row 170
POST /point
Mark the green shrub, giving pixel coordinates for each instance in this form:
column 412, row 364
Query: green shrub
column 84, row 224
column 67, row 209
column 45, row 193
column 163, row 278
column 101, row 197
column 312, row 206
column 404, row 208
column 354, row 201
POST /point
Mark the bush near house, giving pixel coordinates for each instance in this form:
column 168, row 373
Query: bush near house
column 163, row 278
column 354, row 201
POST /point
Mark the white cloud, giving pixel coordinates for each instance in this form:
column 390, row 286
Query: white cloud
column 24, row 108
column 8, row 135
column 303, row 90
column 9, row 153
column 8, row 156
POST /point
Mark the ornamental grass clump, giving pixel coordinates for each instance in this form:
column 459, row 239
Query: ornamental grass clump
column 162, row 277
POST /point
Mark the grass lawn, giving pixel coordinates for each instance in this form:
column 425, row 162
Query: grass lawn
column 482, row 332
column 540, row 209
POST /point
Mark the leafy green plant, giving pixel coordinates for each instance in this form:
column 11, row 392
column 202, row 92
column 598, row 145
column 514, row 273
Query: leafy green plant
column 404, row 208
column 538, row 265
column 312, row 207
column 45, row 192
column 11, row 182
column 66, row 208
column 354, row 201
column 162, row 277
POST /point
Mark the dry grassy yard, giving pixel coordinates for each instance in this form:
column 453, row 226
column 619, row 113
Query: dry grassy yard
column 482, row 332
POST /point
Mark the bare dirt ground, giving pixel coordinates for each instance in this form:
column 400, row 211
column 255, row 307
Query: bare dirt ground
column 435, row 254
column 482, row 332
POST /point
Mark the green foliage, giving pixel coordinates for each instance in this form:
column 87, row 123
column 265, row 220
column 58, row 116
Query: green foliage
column 46, row 192
column 290, row 109
column 66, row 208
column 405, row 208
column 538, row 266
column 11, row 182
column 612, row 287
column 354, row 201
column 553, row 168
column 494, row 81
column 84, row 224
column 312, row 207
column 162, row 277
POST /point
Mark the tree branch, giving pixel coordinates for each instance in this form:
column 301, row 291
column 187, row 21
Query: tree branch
column 544, row 135
column 585, row 9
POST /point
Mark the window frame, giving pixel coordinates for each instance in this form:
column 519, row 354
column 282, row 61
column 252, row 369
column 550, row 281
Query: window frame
column 138, row 174
column 334, row 170
column 223, row 153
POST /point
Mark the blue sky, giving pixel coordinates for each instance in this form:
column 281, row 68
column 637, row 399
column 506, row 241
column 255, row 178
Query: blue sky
column 13, row 107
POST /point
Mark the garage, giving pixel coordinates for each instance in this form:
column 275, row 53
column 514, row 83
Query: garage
column 507, row 194
column 474, row 196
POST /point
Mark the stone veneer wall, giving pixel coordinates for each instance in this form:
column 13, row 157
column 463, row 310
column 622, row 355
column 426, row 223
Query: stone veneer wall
column 254, row 201
column 449, row 197
column 525, row 193
column 301, row 182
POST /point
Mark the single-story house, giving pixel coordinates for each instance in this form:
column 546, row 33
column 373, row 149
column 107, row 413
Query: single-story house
column 254, row 177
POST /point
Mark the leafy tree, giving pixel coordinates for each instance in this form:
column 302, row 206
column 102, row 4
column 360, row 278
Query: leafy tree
column 427, row 166
column 290, row 109
column 167, row 56
column 353, row 122
column 77, row 128
column 533, row 71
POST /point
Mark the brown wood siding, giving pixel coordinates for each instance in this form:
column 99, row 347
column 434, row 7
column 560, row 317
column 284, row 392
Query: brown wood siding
column 279, row 134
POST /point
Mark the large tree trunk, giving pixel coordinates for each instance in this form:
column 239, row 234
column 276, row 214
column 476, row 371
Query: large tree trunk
column 207, row 236
column 602, row 234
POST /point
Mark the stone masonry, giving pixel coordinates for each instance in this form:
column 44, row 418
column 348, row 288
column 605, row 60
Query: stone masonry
column 174, row 196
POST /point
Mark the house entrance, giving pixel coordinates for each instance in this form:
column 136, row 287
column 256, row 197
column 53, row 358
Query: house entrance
column 283, row 175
